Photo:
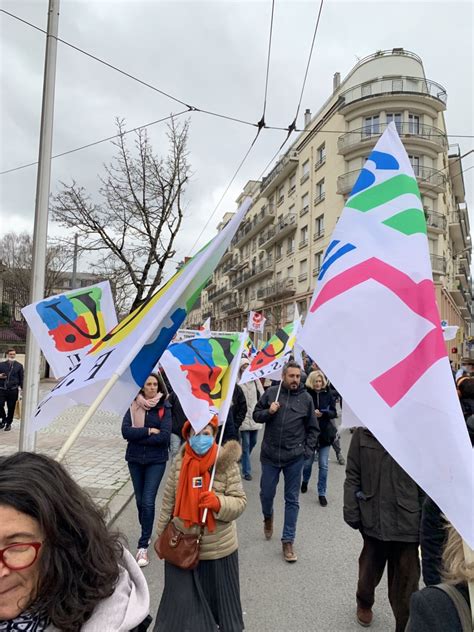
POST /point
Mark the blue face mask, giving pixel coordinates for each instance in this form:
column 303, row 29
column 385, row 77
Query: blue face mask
column 201, row 444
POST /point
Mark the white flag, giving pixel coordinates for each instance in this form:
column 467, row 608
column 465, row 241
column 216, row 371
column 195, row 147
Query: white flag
column 256, row 321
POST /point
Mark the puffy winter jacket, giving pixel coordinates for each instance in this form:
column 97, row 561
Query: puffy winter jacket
column 290, row 433
column 142, row 447
column 378, row 494
column 228, row 488
column 324, row 402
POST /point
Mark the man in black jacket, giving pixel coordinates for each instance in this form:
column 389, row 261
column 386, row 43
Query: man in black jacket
column 11, row 381
column 291, row 434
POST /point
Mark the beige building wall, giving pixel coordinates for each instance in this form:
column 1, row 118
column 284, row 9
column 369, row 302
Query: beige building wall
column 276, row 254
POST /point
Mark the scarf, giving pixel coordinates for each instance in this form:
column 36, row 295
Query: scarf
column 25, row 623
column 139, row 407
column 187, row 496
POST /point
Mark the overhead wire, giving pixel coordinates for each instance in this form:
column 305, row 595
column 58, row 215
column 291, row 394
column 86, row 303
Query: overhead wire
column 267, row 74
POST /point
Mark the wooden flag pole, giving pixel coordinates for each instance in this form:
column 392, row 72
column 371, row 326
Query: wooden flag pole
column 469, row 557
column 87, row 417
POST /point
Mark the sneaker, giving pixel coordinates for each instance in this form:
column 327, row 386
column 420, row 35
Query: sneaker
column 288, row 552
column 364, row 616
column 142, row 557
column 304, row 487
column 340, row 459
column 268, row 527
column 322, row 501
column 248, row 477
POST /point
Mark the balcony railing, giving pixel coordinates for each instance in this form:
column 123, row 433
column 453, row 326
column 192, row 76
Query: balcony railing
column 395, row 85
column 304, row 210
column 438, row 264
column 256, row 271
column 319, row 198
column 253, row 226
column 278, row 289
column 302, row 276
column 406, row 130
column 218, row 293
column 282, row 167
column 320, row 162
column 285, row 225
column 426, row 176
column 303, row 243
column 318, row 235
column 226, row 307
column 435, row 221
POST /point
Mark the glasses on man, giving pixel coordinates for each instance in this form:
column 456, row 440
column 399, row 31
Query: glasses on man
column 19, row 556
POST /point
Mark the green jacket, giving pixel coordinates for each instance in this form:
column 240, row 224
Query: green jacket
column 379, row 496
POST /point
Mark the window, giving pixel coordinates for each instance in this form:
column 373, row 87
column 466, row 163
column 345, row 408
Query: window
column 304, row 236
column 304, row 204
column 278, row 251
column 319, row 227
column 415, row 163
column 413, row 124
column 292, row 184
column 278, row 276
column 303, row 270
column 320, row 192
column 305, row 168
column 280, row 195
column 290, row 271
column 291, row 245
column 302, row 308
column 318, row 259
column 371, row 125
column 291, row 210
column 320, row 155
column 395, row 117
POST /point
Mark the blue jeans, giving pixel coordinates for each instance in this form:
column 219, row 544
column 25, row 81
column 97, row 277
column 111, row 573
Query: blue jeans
column 323, row 454
column 249, row 439
column 146, row 479
column 268, row 485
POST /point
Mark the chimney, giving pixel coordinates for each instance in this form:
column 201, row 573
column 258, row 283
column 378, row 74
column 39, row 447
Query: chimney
column 307, row 117
column 336, row 82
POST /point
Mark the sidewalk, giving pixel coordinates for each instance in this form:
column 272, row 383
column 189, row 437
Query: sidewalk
column 97, row 459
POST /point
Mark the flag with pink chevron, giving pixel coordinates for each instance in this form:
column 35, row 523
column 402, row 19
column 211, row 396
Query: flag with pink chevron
column 374, row 328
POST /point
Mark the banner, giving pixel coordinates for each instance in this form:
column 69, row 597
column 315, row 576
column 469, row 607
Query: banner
column 199, row 372
column 375, row 295
column 132, row 349
column 256, row 321
column 274, row 355
column 66, row 326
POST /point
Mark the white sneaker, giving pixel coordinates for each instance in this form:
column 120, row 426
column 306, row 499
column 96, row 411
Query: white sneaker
column 142, row 557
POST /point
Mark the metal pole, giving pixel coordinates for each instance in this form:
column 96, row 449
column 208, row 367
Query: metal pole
column 40, row 234
column 74, row 265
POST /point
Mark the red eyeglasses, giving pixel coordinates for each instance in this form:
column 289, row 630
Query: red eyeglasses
column 21, row 555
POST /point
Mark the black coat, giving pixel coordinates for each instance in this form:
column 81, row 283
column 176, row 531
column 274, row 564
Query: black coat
column 432, row 610
column 177, row 415
column 142, row 447
column 432, row 540
column 324, row 402
column 379, row 496
column 14, row 375
column 239, row 406
column 292, row 432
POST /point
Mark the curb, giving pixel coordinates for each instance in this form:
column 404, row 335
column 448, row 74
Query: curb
column 118, row 502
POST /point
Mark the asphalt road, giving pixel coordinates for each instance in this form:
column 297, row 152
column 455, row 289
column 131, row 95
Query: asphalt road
column 317, row 593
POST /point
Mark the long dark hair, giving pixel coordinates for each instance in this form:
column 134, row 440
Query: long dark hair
column 79, row 563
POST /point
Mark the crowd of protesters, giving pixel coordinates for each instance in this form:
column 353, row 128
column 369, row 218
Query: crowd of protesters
column 62, row 569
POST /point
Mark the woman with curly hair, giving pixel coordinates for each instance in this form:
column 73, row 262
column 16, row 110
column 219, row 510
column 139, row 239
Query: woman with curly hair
column 60, row 568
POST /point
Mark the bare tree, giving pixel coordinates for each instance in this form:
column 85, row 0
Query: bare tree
column 133, row 227
column 16, row 255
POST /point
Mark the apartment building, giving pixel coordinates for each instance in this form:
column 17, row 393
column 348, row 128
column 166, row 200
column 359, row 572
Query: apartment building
column 275, row 256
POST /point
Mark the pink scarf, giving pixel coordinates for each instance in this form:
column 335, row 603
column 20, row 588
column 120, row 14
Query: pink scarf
column 139, row 407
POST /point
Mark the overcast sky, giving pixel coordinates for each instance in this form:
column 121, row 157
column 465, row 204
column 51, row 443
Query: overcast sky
column 211, row 55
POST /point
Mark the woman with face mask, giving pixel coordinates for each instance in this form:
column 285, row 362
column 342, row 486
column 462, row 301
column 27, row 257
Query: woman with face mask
column 147, row 429
column 208, row 597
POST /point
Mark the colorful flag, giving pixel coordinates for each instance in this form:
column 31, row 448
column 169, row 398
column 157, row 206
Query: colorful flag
column 274, row 355
column 66, row 326
column 256, row 321
column 249, row 349
column 205, row 328
column 130, row 351
column 374, row 327
column 198, row 370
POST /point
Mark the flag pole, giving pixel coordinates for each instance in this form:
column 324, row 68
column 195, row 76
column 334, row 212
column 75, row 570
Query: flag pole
column 469, row 557
column 86, row 418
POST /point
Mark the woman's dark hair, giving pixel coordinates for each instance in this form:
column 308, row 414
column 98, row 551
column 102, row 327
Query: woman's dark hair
column 79, row 562
column 466, row 388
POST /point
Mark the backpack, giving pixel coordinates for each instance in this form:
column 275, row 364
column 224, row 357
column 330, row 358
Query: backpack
column 461, row 605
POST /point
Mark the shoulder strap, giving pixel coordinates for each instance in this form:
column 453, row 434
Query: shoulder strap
column 460, row 604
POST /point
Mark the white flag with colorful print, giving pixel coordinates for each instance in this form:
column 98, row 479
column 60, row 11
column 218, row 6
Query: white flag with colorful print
column 374, row 327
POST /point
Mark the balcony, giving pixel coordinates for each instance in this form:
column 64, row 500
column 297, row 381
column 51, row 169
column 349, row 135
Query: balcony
column 302, row 276
column 207, row 314
column 279, row 173
column 435, row 222
column 285, row 226
column 252, row 227
column 318, row 235
column 231, row 305
column 319, row 198
column 256, row 272
column 304, row 210
column 320, row 162
column 459, row 227
column 230, row 265
column 418, row 134
column 277, row 290
column 427, row 178
column 438, row 264
column 461, row 272
column 303, row 243
column 413, row 89
column 218, row 294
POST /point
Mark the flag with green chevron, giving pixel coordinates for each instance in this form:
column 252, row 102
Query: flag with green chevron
column 374, row 328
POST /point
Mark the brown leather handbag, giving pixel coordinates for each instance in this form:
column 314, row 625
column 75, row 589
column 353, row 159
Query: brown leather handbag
column 178, row 548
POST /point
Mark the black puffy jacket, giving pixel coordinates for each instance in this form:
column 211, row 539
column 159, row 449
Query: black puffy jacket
column 324, row 402
column 292, row 431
